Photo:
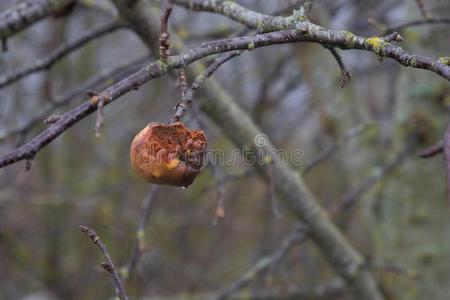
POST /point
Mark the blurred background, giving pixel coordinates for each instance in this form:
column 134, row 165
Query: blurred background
column 360, row 146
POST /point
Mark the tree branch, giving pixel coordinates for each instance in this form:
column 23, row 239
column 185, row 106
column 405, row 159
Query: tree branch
column 266, row 23
column 296, row 236
column 59, row 53
column 108, row 265
column 139, row 247
column 325, row 291
column 446, row 148
column 426, row 14
column 25, row 14
column 106, row 75
column 164, row 37
column 345, row 75
column 186, row 100
column 328, row 151
column 432, row 150
column 158, row 69
column 350, row 199
column 433, row 21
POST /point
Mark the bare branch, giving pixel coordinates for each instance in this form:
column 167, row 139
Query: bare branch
column 182, row 82
column 107, row 75
column 164, row 37
column 139, row 245
column 351, row 198
column 180, row 109
column 27, row 13
column 240, row 14
column 220, row 182
column 157, row 69
column 345, row 75
column 327, row 152
column 266, row 23
column 446, row 147
column 307, row 7
column 99, row 99
column 394, row 36
column 433, row 21
column 297, row 235
column 423, row 10
column 333, row 289
column 433, row 150
column 4, row 42
column 108, row 265
column 59, row 53
column 272, row 192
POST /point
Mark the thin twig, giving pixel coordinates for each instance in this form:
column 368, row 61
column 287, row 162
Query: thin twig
column 345, row 75
column 296, row 236
column 220, row 183
column 272, row 192
column 99, row 99
column 182, row 82
column 108, row 265
column 59, row 53
column 307, row 8
column 446, row 147
column 394, row 36
column 327, row 152
column 432, row 150
column 27, row 13
column 219, row 178
column 183, row 86
column 351, row 198
column 181, row 108
column 139, row 244
column 426, row 14
column 164, row 38
column 4, row 44
column 98, row 81
column 400, row 27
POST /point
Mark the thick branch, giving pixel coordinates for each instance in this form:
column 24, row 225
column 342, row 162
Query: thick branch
column 239, row 13
column 315, row 33
column 157, row 69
